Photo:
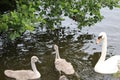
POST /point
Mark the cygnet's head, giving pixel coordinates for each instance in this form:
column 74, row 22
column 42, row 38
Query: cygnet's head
column 55, row 47
column 101, row 36
column 35, row 59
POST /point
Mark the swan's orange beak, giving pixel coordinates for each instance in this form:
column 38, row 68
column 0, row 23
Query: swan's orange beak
column 98, row 41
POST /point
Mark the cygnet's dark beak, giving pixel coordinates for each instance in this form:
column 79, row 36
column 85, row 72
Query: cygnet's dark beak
column 39, row 61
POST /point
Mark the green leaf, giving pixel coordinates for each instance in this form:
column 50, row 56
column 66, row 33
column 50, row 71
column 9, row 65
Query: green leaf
column 24, row 6
column 74, row 10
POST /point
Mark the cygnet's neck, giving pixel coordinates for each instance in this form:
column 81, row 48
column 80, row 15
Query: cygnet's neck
column 57, row 54
column 34, row 68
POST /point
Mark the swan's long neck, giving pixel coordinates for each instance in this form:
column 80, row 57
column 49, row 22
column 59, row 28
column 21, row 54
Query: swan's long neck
column 57, row 54
column 104, row 50
column 34, row 67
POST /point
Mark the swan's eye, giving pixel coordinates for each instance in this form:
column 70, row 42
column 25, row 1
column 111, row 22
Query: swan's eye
column 100, row 37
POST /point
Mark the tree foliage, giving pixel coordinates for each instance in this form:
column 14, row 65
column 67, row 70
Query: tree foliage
column 49, row 13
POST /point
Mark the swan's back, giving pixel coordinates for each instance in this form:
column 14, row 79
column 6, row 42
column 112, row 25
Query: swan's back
column 110, row 65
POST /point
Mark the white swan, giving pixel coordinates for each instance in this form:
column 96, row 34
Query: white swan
column 110, row 65
column 62, row 64
column 25, row 74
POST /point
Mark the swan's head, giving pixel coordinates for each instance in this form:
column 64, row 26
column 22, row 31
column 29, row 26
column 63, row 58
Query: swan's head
column 101, row 36
column 35, row 59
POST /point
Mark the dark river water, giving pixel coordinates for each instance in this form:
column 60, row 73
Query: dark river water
column 76, row 46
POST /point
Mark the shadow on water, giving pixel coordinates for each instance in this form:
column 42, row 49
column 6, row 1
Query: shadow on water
column 17, row 54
